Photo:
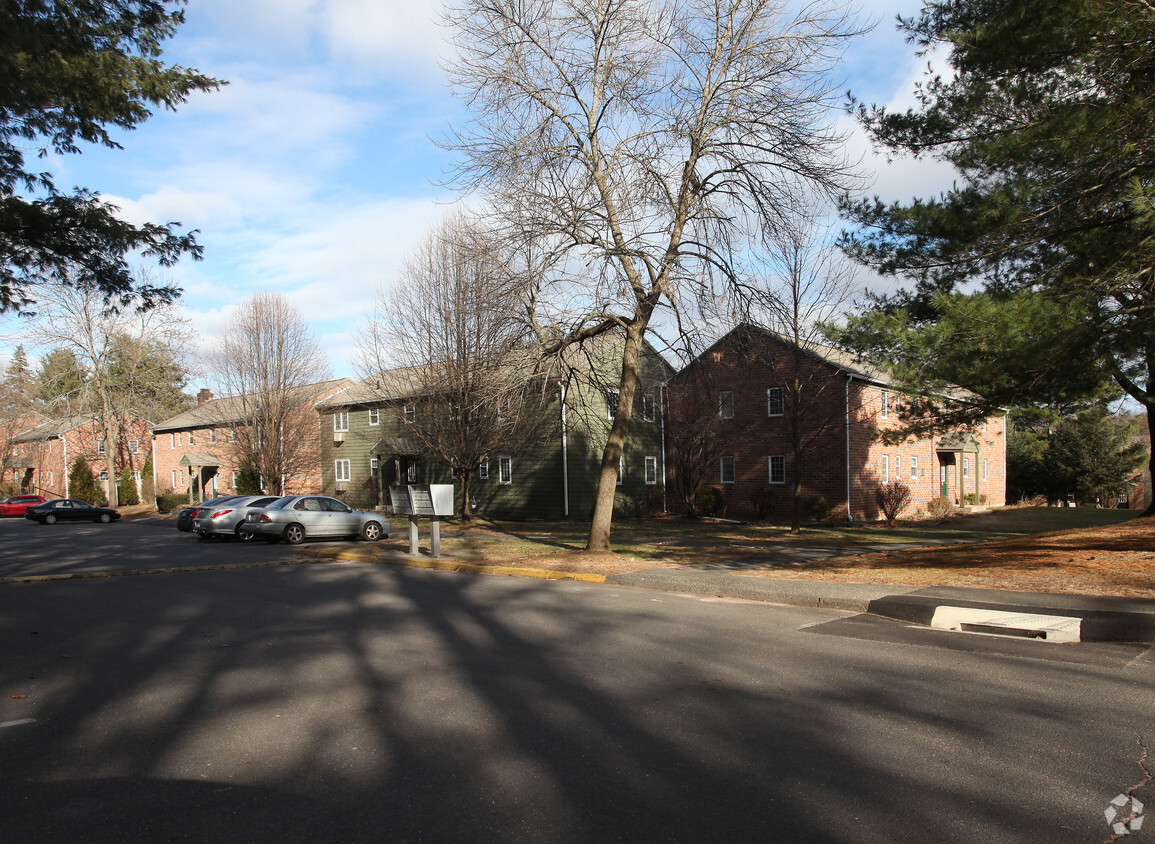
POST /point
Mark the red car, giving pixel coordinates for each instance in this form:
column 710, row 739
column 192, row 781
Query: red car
column 17, row 505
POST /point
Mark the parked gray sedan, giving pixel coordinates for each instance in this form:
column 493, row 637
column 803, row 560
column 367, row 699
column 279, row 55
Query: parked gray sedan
column 301, row 517
column 224, row 520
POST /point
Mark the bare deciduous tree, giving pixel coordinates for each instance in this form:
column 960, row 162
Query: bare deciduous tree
column 265, row 358
column 650, row 144
column 111, row 341
column 451, row 322
column 809, row 285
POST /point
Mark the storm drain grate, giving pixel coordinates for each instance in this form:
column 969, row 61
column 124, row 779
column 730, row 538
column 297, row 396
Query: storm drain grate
column 1050, row 628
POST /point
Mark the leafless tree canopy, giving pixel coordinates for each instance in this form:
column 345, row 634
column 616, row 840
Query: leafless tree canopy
column 264, row 357
column 450, row 332
column 646, row 146
column 116, row 344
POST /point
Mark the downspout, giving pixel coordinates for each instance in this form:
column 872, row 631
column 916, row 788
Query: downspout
column 1006, row 436
column 564, row 457
column 849, row 511
column 662, row 411
column 64, row 441
column 154, row 468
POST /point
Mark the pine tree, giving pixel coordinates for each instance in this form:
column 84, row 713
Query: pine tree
column 72, row 72
column 1048, row 120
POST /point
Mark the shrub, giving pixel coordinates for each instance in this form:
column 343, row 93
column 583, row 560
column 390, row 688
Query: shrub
column 249, row 479
column 892, row 498
column 970, row 498
column 708, row 500
column 816, row 508
column 169, row 501
column 940, row 507
column 126, row 493
column 147, row 487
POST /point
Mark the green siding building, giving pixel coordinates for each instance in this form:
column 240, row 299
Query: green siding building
column 367, row 444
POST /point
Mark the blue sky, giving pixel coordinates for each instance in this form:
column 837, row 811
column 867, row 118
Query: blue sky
column 314, row 171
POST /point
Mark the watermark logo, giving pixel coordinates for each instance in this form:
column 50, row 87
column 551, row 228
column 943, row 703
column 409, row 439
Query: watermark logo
column 1125, row 814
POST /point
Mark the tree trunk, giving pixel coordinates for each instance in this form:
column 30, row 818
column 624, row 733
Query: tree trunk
column 599, row 538
column 466, row 511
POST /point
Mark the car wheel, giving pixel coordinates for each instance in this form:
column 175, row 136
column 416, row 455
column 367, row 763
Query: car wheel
column 371, row 532
column 49, row 519
column 244, row 537
column 105, row 518
column 294, row 534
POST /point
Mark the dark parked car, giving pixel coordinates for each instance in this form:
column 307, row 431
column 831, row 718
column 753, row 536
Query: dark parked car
column 184, row 519
column 18, row 505
column 69, row 510
column 224, row 520
column 301, row 517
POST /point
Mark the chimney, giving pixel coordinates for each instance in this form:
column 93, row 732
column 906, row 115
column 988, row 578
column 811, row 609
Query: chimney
column 204, row 396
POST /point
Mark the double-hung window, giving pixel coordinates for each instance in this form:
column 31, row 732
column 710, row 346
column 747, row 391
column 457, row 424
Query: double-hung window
column 726, row 470
column 726, row 404
column 505, row 470
column 648, row 408
column 483, row 470
column 914, row 467
column 612, row 397
column 341, row 421
column 775, row 404
column 374, row 416
column 651, row 470
column 777, row 469
column 341, row 471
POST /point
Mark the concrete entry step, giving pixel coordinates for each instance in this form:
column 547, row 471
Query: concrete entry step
column 1050, row 628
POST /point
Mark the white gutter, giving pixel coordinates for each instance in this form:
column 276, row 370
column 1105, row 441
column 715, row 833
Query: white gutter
column 564, row 457
column 849, row 512
column 64, row 442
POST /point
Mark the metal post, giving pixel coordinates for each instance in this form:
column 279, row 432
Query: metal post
column 435, row 536
column 413, row 535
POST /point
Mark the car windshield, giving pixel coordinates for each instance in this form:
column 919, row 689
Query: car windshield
column 280, row 505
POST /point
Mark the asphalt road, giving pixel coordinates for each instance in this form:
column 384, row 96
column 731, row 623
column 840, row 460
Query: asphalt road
column 346, row 702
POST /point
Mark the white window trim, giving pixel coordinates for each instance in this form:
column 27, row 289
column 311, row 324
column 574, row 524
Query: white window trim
column 483, row 470
column 648, row 405
column 886, row 468
column 651, row 471
column 341, row 421
column 374, row 416
column 612, row 399
column 914, row 467
column 885, row 405
column 781, row 458
column 984, row 468
column 410, row 414
column 342, row 471
column 722, row 469
column 780, row 393
column 505, row 470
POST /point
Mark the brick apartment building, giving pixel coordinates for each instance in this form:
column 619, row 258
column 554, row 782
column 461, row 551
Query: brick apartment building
column 45, row 449
column 741, row 387
column 199, row 452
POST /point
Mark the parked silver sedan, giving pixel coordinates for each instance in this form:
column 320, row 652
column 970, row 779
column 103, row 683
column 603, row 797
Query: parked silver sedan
column 300, row 517
column 224, row 520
